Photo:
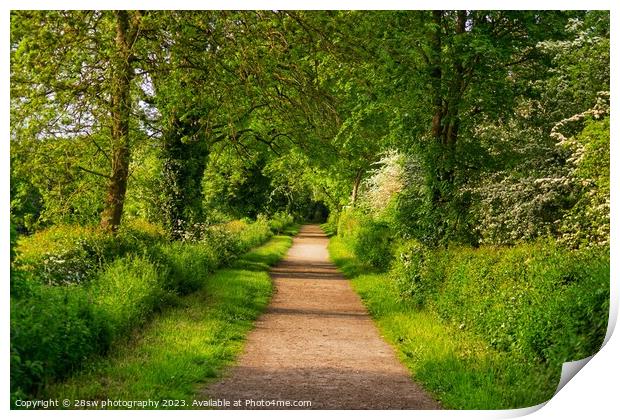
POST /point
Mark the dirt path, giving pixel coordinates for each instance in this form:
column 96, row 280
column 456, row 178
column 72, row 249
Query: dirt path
column 317, row 343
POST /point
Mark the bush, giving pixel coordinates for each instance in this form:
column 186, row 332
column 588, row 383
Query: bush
column 416, row 273
column 53, row 330
column 67, row 254
column 137, row 236
column 255, row 233
column 187, row 265
column 348, row 223
column 372, row 244
column 64, row 254
column 588, row 221
column 224, row 240
column 280, row 221
column 539, row 299
column 188, row 262
column 19, row 285
column 331, row 225
column 369, row 239
column 228, row 240
column 58, row 319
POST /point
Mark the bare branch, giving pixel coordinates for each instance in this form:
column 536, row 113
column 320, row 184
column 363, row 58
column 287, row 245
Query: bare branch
column 93, row 172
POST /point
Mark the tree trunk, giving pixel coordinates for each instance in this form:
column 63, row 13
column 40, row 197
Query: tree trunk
column 435, row 58
column 184, row 156
column 451, row 129
column 356, row 186
column 122, row 74
column 446, row 119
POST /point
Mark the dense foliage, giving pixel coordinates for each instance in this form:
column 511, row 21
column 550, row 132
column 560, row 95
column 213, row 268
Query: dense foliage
column 65, row 308
column 536, row 299
column 466, row 152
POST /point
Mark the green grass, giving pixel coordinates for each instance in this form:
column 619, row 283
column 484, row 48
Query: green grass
column 459, row 369
column 292, row 230
column 185, row 346
column 329, row 229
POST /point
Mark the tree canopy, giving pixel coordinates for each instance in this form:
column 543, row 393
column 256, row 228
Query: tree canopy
column 189, row 117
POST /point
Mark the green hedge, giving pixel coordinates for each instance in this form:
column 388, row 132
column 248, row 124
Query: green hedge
column 371, row 240
column 539, row 299
column 258, row 232
column 185, row 265
column 60, row 318
column 330, row 227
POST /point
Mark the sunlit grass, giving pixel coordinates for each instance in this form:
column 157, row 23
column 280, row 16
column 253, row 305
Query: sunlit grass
column 187, row 345
column 459, row 369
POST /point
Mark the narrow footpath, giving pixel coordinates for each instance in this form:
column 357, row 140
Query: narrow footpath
column 316, row 342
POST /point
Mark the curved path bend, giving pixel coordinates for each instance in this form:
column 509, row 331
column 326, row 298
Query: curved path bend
column 316, row 342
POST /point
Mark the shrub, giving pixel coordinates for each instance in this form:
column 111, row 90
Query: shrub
column 280, row 221
column 65, row 254
column 235, row 227
column 570, row 322
column 213, row 246
column 372, row 244
column 13, row 239
column 58, row 322
column 369, row 239
column 71, row 254
column 19, row 285
column 348, row 223
column 187, row 264
column 230, row 239
column 53, row 330
column 255, row 233
column 137, row 236
column 514, row 208
column 331, row 225
column 411, row 272
column 224, row 240
column 540, row 299
column 588, row 221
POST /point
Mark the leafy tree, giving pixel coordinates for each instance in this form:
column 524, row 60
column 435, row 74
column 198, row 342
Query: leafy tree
column 71, row 75
column 240, row 113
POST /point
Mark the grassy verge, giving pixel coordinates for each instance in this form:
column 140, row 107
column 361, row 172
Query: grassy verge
column 187, row 345
column 77, row 290
column 460, row 370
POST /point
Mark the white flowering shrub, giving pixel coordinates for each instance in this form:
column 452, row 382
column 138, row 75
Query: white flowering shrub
column 386, row 179
column 566, row 198
column 587, row 223
column 513, row 209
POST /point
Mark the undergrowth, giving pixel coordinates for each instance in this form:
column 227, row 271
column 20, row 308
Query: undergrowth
column 188, row 344
column 76, row 292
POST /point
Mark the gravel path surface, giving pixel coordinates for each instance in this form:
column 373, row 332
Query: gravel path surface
column 316, row 342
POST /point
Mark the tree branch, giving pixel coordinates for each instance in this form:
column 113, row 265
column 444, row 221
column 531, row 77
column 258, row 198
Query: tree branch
column 100, row 149
column 93, row 172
